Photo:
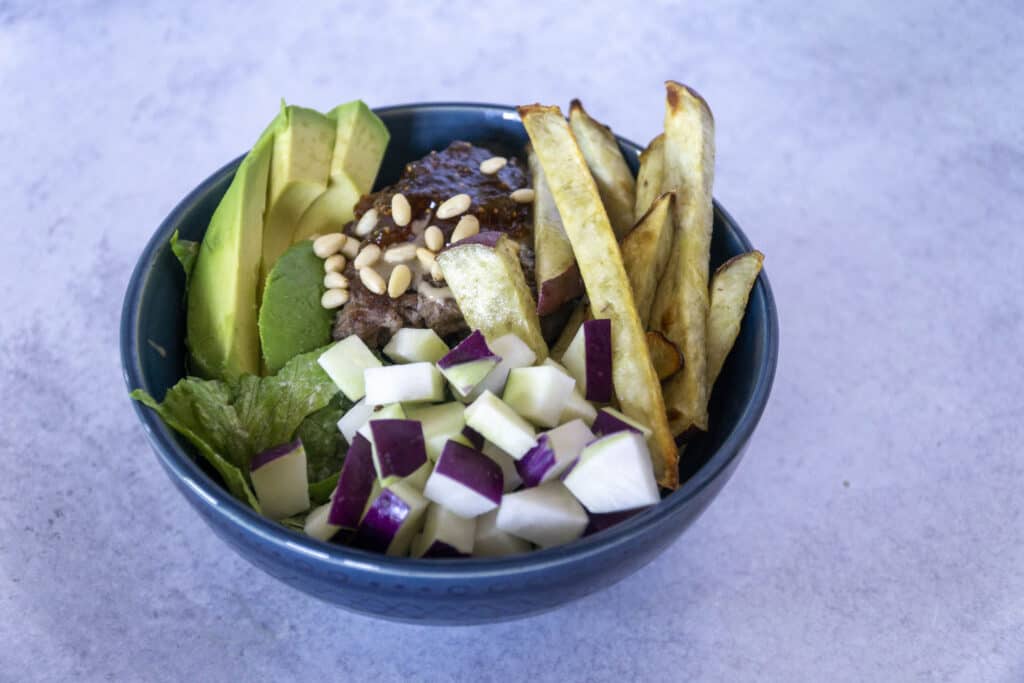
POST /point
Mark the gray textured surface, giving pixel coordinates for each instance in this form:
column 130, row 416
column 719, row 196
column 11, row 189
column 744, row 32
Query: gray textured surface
column 874, row 152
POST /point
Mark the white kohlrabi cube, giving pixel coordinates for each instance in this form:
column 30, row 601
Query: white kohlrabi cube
column 556, row 450
column 411, row 345
column 539, row 394
column 614, row 473
column 440, row 423
column 279, row 480
column 576, row 407
column 507, row 463
column 345, row 362
column 390, row 412
column 317, row 526
column 465, row 481
column 357, row 416
column 514, row 354
column 412, row 383
column 445, row 534
column 498, row 423
column 392, row 519
column 547, row 515
column 491, row 541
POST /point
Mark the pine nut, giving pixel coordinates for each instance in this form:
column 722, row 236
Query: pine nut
column 334, row 298
column 335, row 281
column 334, row 264
column 351, row 248
column 492, row 165
column 426, row 258
column 401, row 253
column 401, row 278
column 453, row 206
column 372, row 280
column 401, row 212
column 434, row 238
column 436, row 273
column 466, row 227
column 367, row 222
column 523, row 195
column 367, row 257
column 328, row 245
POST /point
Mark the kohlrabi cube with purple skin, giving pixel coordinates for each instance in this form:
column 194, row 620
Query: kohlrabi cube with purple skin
column 509, row 473
column 399, row 452
column 395, row 411
column 514, row 353
column 392, row 519
column 345, row 363
column 411, row 383
column 465, row 481
column 355, row 485
column 445, row 534
column 539, row 394
column 279, row 480
column 576, row 407
column 547, row 515
column 499, row 424
column 613, row 474
column 490, row 541
column 610, row 421
column 354, row 419
column 589, row 360
column 316, row 524
column 440, row 423
column 600, row 522
column 556, row 449
column 413, row 345
column 475, row 438
column 466, row 365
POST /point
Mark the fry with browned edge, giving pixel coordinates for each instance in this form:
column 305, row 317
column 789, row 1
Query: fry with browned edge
column 730, row 290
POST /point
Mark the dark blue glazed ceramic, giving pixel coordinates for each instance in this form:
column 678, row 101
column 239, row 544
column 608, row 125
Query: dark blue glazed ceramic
column 437, row 591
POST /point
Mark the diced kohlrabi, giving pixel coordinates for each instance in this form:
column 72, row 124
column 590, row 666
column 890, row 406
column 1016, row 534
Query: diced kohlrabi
column 355, row 485
column 357, row 416
column 468, row 364
column 465, row 481
column 499, row 424
column 395, row 411
column 507, row 463
column 589, row 360
column 539, row 394
column 576, row 407
column 547, row 515
column 445, row 534
column 491, row 541
column 345, row 362
column 475, row 439
column 411, row 383
column 514, row 354
column 399, row 452
column 394, row 516
column 600, row 522
column 412, row 345
column 279, row 480
column 440, row 423
column 614, row 473
column 555, row 450
column 610, row 421
column 317, row 526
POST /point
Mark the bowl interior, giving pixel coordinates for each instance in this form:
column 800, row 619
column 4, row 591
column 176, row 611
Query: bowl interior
column 153, row 322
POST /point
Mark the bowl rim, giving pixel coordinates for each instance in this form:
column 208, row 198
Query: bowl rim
column 334, row 557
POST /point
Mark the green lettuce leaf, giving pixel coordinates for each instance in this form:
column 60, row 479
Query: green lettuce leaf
column 320, row 491
column 325, row 446
column 186, row 252
column 230, row 422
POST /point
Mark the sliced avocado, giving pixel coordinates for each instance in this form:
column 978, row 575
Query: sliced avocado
column 222, row 336
column 291, row 319
column 330, row 211
column 299, row 170
column 358, row 145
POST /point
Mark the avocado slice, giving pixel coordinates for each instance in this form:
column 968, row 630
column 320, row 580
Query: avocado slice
column 331, row 211
column 222, row 299
column 291, row 319
column 299, row 169
column 359, row 144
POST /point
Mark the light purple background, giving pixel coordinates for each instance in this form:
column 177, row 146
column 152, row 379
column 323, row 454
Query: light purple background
column 874, row 152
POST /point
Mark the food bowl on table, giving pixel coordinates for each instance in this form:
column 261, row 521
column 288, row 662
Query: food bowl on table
column 439, row 591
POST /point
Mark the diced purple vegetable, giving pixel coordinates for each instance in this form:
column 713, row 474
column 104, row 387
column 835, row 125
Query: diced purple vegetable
column 474, row 437
column 607, row 422
column 442, row 549
column 555, row 450
column 271, row 454
column 600, row 522
column 471, row 349
column 538, row 460
column 382, row 522
column 354, row 485
column 598, row 344
column 399, row 447
column 472, row 469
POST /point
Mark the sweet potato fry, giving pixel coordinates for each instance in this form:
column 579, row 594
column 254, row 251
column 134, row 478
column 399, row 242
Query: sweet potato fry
column 664, row 354
column 680, row 308
column 600, row 263
column 730, row 290
column 615, row 181
column 645, row 254
column 650, row 178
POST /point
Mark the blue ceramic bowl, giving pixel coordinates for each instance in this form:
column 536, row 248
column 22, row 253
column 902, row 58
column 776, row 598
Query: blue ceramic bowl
column 436, row 591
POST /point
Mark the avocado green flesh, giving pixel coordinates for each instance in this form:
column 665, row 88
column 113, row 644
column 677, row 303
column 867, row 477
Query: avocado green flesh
column 330, row 212
column 359, row 144
column 299, row 170
column 291, row 319
column 222, row 300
